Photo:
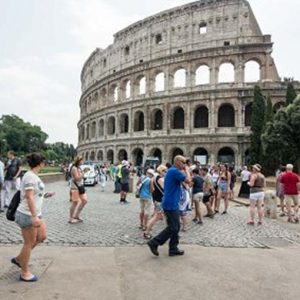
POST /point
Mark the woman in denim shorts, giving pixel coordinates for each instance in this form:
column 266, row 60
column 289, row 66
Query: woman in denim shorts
column 223, row 188
column 29, row 214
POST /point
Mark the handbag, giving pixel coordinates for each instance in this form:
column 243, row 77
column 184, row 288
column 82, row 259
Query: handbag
column 81, row 188
column 138, row 188
column 12, row 208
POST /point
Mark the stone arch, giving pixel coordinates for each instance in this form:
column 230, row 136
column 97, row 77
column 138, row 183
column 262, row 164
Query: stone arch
column 82, row 131
column 111, row 125
column 178, row 118
column 114, row 92
column 252, row 71
column 160, row 82
column 226, row 72
column 226, row 116
column 88, row 131
column 156, row 152
column 139, row 121
column 247, row 157
column 126, row 88
column 100, row 155
column 101, row 128
column 278, row 105
column 138, row 156
column 180, row 78
column 124, row 123
column 93, row 129
column 103, row 93
column 248, row 114
column 157, row 119
column 175, row 152
column 122, row 155
column 200, row 154
column 110, row 155
column 142, row 85
column 201, row 117
column 202, row 75
column 226, row 155
column 87, row 155
column 92, row 156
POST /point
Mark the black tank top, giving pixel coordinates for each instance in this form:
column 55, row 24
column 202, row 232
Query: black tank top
column 158, row 190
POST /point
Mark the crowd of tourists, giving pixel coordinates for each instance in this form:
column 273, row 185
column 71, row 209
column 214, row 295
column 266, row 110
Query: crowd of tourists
column 167, row 193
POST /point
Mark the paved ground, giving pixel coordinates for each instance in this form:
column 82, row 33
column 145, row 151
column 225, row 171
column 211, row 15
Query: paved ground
column 107, row 223
column 105, row 257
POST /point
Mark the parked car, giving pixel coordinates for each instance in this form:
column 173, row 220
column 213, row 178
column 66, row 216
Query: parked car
column 90, row 176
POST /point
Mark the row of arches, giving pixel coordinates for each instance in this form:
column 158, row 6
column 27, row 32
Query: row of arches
column 226, row 118
column 179, row 78
column 137, row 155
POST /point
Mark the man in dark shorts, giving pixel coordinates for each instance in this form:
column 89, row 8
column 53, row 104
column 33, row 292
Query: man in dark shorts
column 125, row 172
column 176, row 175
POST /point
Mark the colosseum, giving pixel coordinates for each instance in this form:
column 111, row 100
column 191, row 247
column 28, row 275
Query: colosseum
column 178, row 82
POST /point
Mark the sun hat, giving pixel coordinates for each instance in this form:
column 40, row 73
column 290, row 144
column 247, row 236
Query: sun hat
column 257, row 167
column 151, row 172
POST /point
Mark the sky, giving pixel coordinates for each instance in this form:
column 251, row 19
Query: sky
column 44, row 44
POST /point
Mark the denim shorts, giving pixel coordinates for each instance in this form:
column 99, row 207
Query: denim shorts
column 24, row 221
column 223, row 186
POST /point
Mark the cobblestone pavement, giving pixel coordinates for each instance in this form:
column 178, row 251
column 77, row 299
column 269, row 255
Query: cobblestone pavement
column 107, row 223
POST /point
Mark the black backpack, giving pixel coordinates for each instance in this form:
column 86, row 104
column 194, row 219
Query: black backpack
column 11, row 211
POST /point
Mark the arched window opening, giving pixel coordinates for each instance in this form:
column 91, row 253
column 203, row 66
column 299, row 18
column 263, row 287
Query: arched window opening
column 248, row 114
column 157, row 120
column 139, row 121
column 122, row 155
column 116, row 93
column 226, row 116
column 247, row 157
column 142, row 86
column 92, row 156
column 94, row 129
column 138, row 155
column 226, row 73
column 100, row 155
column 178, row 118
column 111, row 125
column 252, row 71
column 226, row 155
column 156, row 153
column 175, row 152
column 128, row 90
column 88, row 131
column 201, row 117
column 277, row 106
column 124, row 123
column 86, row 156
column 180, row 78
column 202, row 75
column 203, row 28
column 101, row 127
column 160, row 82
column 201, row 155
column 110, row 156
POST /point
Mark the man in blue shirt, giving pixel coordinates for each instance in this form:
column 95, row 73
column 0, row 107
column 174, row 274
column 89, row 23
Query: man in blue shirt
column 172, row 187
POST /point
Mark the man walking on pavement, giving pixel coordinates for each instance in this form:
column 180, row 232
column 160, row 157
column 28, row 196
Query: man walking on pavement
column 1, row 186
column 176, row 175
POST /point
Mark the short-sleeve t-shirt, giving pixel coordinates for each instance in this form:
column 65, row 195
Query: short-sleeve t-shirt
column 172, row 189
column 12, row 169
column 125, row 175
column 145, row 192
column 289, row 181
column 31, row 181
column 197, row 184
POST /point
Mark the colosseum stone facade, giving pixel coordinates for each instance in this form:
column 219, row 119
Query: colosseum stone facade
column 180, row 81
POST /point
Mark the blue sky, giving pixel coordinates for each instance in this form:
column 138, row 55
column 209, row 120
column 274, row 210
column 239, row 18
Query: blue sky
column 44, row 43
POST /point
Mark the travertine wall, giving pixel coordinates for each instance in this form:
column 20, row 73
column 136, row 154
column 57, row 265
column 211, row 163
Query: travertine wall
column 128, row 112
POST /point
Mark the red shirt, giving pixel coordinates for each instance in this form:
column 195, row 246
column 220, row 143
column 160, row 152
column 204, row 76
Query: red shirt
column 289, row 181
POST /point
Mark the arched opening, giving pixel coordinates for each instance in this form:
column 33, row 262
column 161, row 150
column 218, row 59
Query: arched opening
column 277, row 106
column 88, row 131
column 138, row 155
column 124, row 123
column 201, row 155
column 160, row 82
column 248, row 114
column 128, row 89
column 122, row 155
column 175, row 152
column 202, row 75
column 226, row 116
column 226, row 73
column 252, row 71
column 101, row 127
column 178, row 118
column 103, row 93
column 92, row 156
column 100, row 155
column 247, row 157
column 82, row 133
column 142, row 86
column 86, row 156
column 110, row 156
column 180, row 78
column 157, row 120
column 156, row 152
column 226, row 155
column 111, row 125
column 201, row 117
column 116, row 93
column 139, row 121
column 94, row 129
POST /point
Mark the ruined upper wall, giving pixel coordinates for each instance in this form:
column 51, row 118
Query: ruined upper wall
column 196, row 26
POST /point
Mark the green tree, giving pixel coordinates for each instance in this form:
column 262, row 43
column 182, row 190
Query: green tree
column 281, row 139
column 257, row 125
column 290, row 94
column 269, row 115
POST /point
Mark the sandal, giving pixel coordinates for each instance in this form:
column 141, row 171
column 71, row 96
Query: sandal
column 79, row 220
column 250, row 223
column 73, row 221
column 147, row 236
